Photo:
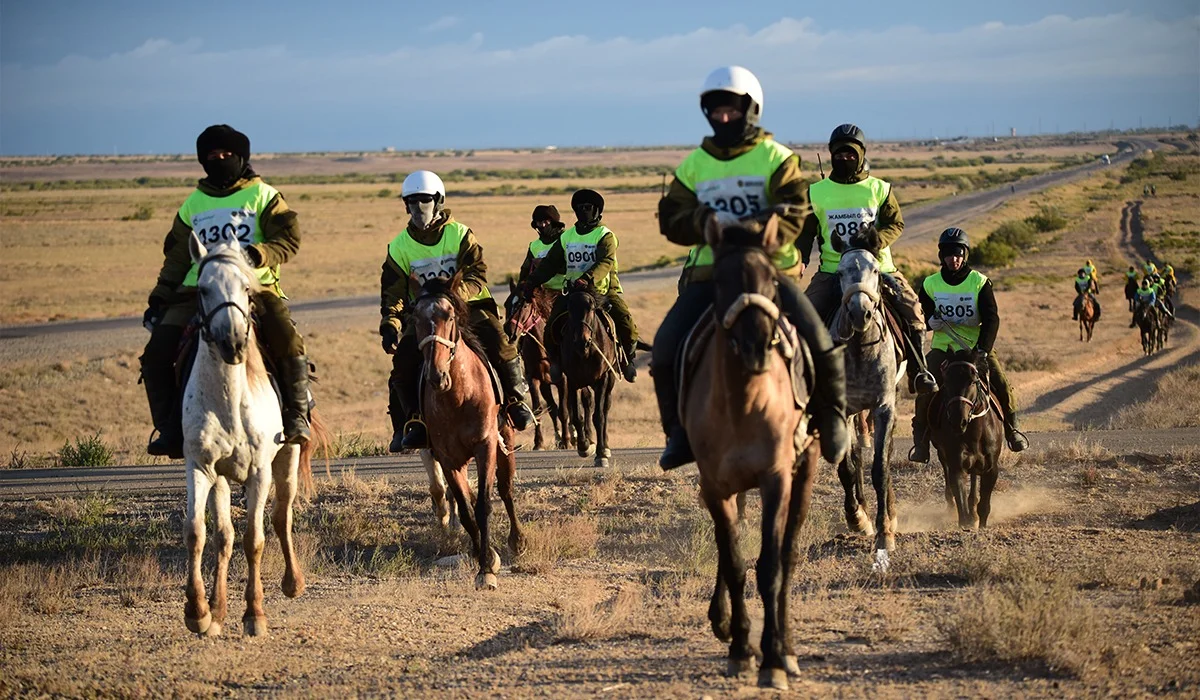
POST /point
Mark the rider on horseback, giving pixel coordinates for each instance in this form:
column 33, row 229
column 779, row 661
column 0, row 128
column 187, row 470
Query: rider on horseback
column 231, row 203
column 849, row 199
column 1085, row 284
column 1089, row 269
column 547, row 222
column 1159, row 285
column 960, row 307
column 739, row 171
column 585, row 256
column 435, row 245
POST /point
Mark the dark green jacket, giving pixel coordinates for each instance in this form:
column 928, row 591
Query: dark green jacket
column 555, row 262
column 280, row 231
column 889, row 222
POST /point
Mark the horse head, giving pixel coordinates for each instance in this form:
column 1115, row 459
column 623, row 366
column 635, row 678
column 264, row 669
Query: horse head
column 858, row 275
column 520, row 316
column 964, row 388
column 583, row 319
column 438, row 312
column 746, row 296
column 225, row 280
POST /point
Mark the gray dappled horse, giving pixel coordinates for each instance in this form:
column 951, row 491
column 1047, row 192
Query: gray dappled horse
column 873, row 371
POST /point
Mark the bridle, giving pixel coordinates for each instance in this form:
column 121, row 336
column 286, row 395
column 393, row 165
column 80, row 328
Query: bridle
column 206, row 317
column 433, row 336
column 591, row 320
column 981, row 405
column 754, row 300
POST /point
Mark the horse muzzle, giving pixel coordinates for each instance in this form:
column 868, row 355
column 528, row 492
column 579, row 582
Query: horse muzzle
column 233, row 352
column 441, row 380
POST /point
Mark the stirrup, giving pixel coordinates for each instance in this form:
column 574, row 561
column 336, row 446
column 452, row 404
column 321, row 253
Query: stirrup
column 913, row 455
column 413, row 429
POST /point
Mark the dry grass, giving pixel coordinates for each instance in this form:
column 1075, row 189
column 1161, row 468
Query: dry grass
column 1025, row 620
column 592, row 612
column 1169, row 407
column 552, row 541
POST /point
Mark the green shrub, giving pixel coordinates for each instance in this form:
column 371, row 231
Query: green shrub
column 86, row 452
column 991, row 253
column 1047, row 219
column 144, row 212
column 384, row 193
column 1014, row 233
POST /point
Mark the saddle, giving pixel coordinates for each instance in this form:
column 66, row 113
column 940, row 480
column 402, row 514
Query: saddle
column 791, row 347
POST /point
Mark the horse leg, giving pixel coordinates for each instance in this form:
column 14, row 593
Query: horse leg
column 973, row 502
column 730, row 624
column 987, row 484
column 196, row 612
column 575, row 399
column 437, row 488
column 798, row 506
column 461, row 489
column 955, row 485
column 535, row 400
column 285, row 470
column 506, row 471
column 489, row 559
column 603, row 390
column 769, row 575
column 587, row 415
column 254, row 620
column 223, row 519
column 881, row 479
column 850, row 474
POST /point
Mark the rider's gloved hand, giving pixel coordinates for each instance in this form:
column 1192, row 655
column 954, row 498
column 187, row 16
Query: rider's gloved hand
column 582, row 283
column 154, row 313
column 254, row 256
column 391, row 337
column 935, row 324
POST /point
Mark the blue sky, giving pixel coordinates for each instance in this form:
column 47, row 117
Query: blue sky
column 135, row 76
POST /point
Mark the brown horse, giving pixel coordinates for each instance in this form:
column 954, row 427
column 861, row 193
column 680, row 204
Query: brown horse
column 967, row 431
column 748, row 432
column 525, row 324
column 1149, row 320
column 463, row 415
column 1087, row 315
column 589, row 362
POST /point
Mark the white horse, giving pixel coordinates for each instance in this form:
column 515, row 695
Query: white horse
column 233, row 431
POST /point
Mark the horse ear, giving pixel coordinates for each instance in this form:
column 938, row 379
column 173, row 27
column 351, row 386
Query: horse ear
column 713, row 233
column 196, row 247
column 512, row 286
column 770, row 235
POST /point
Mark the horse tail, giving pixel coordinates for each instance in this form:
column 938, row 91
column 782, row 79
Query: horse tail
column 318, row 440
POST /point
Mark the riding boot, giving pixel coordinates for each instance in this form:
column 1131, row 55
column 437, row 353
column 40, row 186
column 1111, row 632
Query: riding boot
column 678, row 451
column 397, row 415
column 920, row 430
column 293, row 385
column 920, row 381
column 828, row 405
column 406, row 413
column 627, row 369
column 1016, row 440
column 516, row 394
column 166, row 411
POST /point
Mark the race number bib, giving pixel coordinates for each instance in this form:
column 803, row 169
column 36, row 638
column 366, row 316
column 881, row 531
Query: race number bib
column 741, row 196
column 425, row 269
column 581, row 257
column 956, row 308
column 224, row 226
column 847, row 222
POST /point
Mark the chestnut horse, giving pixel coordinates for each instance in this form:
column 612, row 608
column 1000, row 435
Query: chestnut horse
column 525, row 324
column 463, row 416
column 1087, row 316
column 747, row 432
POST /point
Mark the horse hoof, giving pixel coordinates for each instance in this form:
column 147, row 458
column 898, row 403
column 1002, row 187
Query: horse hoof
column 602, row 462
column 214, row 630
column 740, row 667
column 862, row 523
column 791, row 665
column 494, row 566
column 486, row 582
column 773, row 678
column 293, row 586
column 254, row 626
column 721, row 631
column 889, row 542
column 201, row 625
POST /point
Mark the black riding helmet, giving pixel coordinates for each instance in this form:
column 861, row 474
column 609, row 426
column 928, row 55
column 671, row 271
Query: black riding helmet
column 588, row 206
column 951, row 238
column 848, row 133
column 588, row 197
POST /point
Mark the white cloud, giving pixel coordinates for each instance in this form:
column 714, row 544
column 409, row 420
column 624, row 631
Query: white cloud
column 440, row 24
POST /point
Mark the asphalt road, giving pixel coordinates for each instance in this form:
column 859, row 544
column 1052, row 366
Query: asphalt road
column 17, row 484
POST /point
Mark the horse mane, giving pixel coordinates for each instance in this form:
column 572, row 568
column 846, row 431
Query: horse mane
column 865, row 238
column 448, row 288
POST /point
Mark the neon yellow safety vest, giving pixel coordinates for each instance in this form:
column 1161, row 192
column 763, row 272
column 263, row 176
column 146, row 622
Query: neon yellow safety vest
column 843, row 209
column 1149, row 267
column 1082, row 283
column 1089, row 270
column 538, row 250
column 580, row 251
column 1144, row 295
column 424, row 262
column 738, row 186
column 958, row 305
column 1132, row 274
column 231, row 218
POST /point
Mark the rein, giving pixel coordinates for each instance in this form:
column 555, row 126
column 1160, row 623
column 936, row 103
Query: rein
column 876, row 316
column 981, row 397
column 433, row 337
column 597, row 327
column 206, row 317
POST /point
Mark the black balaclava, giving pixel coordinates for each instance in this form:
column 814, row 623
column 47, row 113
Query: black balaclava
column 731, row 133
column 952, row 276
column 588, row 206
column 221, row 173
column 547, row 212
column 840, row 169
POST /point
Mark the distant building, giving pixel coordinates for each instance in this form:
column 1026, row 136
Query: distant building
column 551, row 148
column 389, row 149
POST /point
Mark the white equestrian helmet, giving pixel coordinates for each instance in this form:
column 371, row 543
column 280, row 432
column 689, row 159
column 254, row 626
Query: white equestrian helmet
column 423, row 182
column 739, row 81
